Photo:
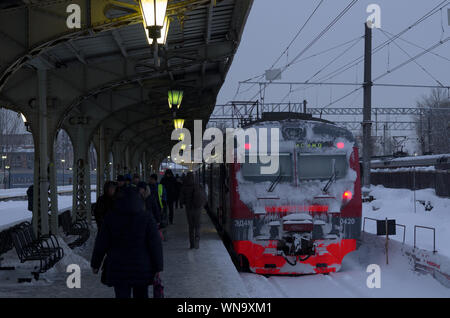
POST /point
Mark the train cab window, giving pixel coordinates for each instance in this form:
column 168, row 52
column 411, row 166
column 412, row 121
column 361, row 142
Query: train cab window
column 252, row 171
column 313, row 166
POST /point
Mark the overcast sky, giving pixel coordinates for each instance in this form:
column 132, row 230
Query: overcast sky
column 273, row 24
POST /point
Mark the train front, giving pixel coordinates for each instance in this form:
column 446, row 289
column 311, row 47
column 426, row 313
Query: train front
column 306, row 216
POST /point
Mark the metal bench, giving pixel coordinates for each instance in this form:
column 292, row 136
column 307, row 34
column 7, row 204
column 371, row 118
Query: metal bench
column 44, row 249
column 6, row 243
column 79, row 228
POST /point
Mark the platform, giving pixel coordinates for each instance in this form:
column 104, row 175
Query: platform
column 206, row 272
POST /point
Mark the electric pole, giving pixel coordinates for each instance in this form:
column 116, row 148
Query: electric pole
column 367, row 110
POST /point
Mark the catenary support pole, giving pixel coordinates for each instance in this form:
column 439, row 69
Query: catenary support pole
column 367, row 110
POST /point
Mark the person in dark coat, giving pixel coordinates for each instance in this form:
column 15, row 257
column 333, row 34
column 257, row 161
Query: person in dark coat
column 120, row 181
column 30, row 193
column 150, row 200
column 105, row 202
column 179, row 184
column 193, row 198
column 136, row 180
column 170, row 184
column 131, row 243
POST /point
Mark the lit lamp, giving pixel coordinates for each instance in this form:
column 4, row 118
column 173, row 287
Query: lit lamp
column 25, row 122
column 178, row 123
column 175, row 98
column 164, row 32
column 154, row 13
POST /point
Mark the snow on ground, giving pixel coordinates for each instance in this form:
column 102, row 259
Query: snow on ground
column 206, row 272
column 12, row 212
column 398, row 204
column 4, row 193
column 397, row 279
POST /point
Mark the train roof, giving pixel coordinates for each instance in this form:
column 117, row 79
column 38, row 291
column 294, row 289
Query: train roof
column 287, row 120
column 282, row 116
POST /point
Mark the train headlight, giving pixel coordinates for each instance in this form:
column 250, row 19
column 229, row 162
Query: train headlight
column 347, row 196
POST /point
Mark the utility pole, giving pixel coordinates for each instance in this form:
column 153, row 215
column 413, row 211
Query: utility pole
column 304, row 106
column 367, row 110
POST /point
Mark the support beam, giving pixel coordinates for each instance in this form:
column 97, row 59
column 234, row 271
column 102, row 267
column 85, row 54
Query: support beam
column 367, row 111
column 81, row 207
column 53, row 194
column 43, row 153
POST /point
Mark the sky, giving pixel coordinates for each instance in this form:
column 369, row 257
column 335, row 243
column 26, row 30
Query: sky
column 272, row 25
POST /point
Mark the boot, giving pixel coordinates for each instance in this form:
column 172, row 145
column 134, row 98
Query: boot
column 197, row 243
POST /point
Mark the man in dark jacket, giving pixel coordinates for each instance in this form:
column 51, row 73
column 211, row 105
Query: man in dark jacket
column 193, row 198
column 150, row 200
column 105, row 202
column 30, row 197
column 130, row 240
column 170, row 184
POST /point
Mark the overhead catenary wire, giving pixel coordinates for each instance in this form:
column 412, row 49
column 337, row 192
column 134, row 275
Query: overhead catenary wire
column 418, row 46
column 414, row 60
column 317, row 38
column 289, row 45
column 358, row 60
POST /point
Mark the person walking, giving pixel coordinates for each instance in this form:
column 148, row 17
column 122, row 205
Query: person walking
column 179, row 184
column 158, row 192
column 131, row 243
column 151, row 201
column 170, row 184
column 105, row 202
column 193, row 197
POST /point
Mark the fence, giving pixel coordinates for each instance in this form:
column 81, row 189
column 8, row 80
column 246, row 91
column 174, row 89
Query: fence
column 410, row 179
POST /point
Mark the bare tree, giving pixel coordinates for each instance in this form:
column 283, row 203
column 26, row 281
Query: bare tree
column 433, row 127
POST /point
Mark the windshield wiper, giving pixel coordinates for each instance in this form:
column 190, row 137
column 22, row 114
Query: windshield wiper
column 333, row 176
column 275, row 183
column 330, row 182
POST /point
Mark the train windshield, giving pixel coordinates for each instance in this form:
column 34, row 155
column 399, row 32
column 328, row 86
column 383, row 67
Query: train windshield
column 314, row 166
column 252, row 171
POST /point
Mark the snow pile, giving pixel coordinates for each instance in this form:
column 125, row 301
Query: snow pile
column 14, row 212
column 398, row 204
column 398, row 279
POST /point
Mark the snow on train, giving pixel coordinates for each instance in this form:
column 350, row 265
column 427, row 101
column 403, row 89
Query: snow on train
column 304, row 218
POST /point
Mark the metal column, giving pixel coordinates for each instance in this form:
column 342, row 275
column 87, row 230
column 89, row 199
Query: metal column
column 367, row 120
column 53, row 194
column 43, row 152
column 81, row 208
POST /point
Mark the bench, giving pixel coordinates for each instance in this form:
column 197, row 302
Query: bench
column 44, row 249
column 6, row 243
column 79, row 228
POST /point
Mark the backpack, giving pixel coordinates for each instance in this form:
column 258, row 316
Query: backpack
column 198, row 197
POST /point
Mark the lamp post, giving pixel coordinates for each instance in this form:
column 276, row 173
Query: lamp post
column 63, row 170
column 25, row 122
column 4, row 157
column 155, row 22
column 9, row 176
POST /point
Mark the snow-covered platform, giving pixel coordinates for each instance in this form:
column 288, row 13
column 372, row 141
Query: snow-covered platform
column 206, row 272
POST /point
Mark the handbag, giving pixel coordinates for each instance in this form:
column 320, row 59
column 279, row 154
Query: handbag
column 158, row 288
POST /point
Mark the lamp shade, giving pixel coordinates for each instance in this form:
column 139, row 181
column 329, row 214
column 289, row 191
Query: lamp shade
column 175, row 98
column 153, row 12
column 164, row 32
column 178, row 123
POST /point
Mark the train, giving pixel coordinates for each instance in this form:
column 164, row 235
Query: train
column 302, row 219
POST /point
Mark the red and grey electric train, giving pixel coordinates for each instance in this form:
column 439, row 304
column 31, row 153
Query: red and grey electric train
column 304, row 217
